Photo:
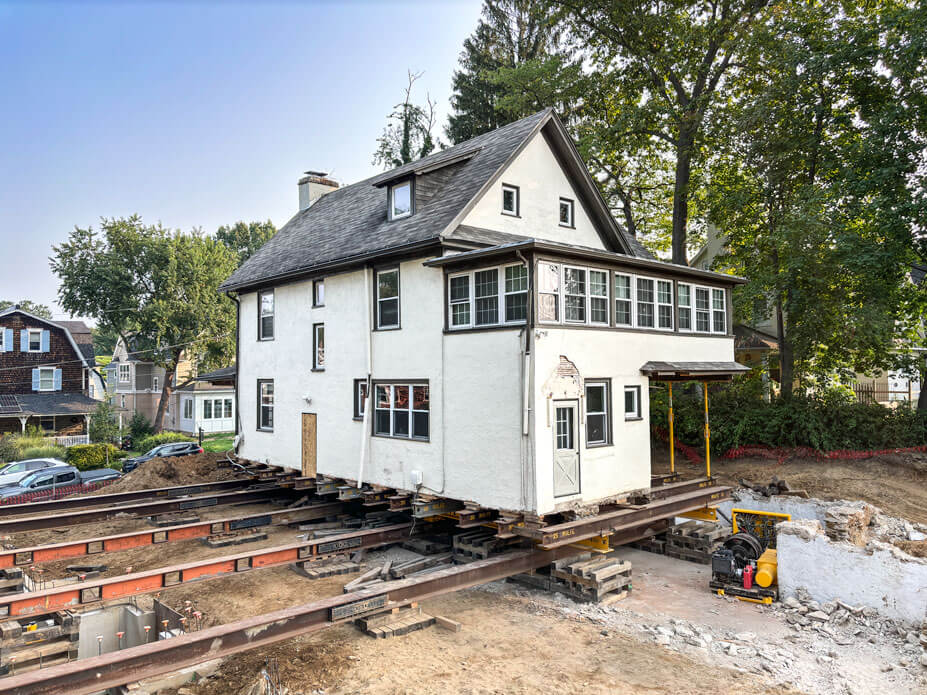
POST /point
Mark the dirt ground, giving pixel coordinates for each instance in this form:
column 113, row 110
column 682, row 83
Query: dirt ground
column 896, row 483
column 168, row 472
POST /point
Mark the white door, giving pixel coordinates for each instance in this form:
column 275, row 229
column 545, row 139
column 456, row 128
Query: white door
column 566, row 449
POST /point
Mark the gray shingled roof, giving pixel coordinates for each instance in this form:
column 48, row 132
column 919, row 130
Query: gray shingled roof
column 350, row 224
column 56, row 403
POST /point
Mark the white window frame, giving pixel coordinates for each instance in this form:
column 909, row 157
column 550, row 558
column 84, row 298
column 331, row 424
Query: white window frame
column 272, row 314
column 671, row 305
column 392, row 200
column 269, row 407
column 187, row 408
column 504, row 293
column 376, row 283
column 470, row 302
column 629, row 299
column 318, row 293
column 688, row 306
column 604, row 384
column 556, row 294
column 638, row 302
column 696, row 310
column 360, row 398
column 155, row 382
column 590, row 297
column 584, row 295
column 51, row 382
column 318, row 347
column 570, row 206
column 634, row 414
column 506, row 187
column 125, row 374
column 207, row 409
column 30, row 332
column 228, row 408
column 392, row 410
column 715, row 311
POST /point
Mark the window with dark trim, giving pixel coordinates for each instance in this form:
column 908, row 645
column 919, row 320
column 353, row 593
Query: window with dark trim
column 400, row 200
column 318, row 293
column 598, row 406
column 266, row 315
column 402, row 411
column 499, row 296
column 684, row 300
column 360, row 398
column 632, row 402
column 318, row 346
column 265, row 394
column 510, row 202
column 566, row 212
column 387, row 289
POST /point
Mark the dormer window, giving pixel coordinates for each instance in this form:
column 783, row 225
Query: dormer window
column 400, row 200
column 566, row 212
column 509, row 200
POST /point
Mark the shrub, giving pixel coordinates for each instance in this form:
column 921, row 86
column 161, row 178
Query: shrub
column 149, row 443
column 103, row 425
column 86, row 457
column 139, row 427
column 9, row 449
column 826, row 421
column 43, row 452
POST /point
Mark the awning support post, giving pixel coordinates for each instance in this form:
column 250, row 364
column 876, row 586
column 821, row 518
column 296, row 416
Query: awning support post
column 707, row 433
column 672, row 441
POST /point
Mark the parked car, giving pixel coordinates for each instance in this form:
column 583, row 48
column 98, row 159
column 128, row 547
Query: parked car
column 15, row 471
column 162, row 451
column 50, row 479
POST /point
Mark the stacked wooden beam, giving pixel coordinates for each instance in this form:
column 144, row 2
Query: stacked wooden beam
column 397, row 622
column 695, row 541
column 602, row 579
column 477, row 545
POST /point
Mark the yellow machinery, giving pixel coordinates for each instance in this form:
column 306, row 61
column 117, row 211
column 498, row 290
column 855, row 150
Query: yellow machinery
column 766, row 568
column 746, row 565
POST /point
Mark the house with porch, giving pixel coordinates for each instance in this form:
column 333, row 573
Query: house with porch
column 48, row 376
column 474, row 325
column 205, row 402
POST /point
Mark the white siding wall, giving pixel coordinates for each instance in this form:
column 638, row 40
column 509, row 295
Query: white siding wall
column 542, row 183
column 618, row 355
column 475, row 447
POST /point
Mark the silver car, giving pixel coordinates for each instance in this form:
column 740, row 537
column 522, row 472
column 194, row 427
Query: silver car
column 11, row 473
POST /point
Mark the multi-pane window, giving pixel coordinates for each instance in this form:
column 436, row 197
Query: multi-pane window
column 664, row 304
column 47, row 379
column 35, row 341
column 598, row 296
column 548, row 292
column 565, row 428
column 718, row 311
column 360, row 398
column 685, row 306
column 388, row 298
column 516, row 293
column 400, row 197
column 597, row 429
column 188, row 409
column 509, row 200
column 228, row 408
column 702, row 310
column 623, row 300
column 318, row 293
column 402, row 410
column 266, row 404
column 645, row 303
column 318, row 346
column 207, row 409
column 498, row 296
column 486, row 290
column 566, row 212
column 266, row 315
column 574, row 294
column 124, row 374
column 632, row 402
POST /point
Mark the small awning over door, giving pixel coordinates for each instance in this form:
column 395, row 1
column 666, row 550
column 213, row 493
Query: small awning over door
column 693, row 371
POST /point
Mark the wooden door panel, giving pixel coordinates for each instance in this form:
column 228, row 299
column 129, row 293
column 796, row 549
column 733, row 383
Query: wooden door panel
column 310, row 436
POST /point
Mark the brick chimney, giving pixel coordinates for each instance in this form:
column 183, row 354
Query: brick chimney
column 313, row 186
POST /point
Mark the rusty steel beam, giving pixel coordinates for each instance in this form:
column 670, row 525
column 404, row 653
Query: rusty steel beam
column 95, row 590
column 680, row 487
column 83, row 516
column 124, row 541
column 549, row 537
column 51, row 506
column 167, row 656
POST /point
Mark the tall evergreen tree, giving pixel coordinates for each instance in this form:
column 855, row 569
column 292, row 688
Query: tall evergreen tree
column 510, row 33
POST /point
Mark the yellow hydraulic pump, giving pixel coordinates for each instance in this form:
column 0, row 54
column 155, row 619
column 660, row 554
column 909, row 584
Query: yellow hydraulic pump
column 766, row 568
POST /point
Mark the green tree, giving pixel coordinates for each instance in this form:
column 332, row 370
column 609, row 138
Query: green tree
column 661, row 67
column 510, row 34
column 104, row 340
column 244, row 238
column 103, row 427
column 157, row 284
column 821, row 185
column 408, row 133
column 28, row 306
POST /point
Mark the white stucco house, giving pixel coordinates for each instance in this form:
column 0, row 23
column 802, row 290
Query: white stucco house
column 503, row 325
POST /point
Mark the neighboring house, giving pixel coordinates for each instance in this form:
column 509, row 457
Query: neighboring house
column 134, row 382
column 48, row 376
column 505, row 326
column 205, row 403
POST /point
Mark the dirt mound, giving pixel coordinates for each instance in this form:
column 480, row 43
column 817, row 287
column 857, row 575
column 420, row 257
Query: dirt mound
column 915, row 548
column 169, row 472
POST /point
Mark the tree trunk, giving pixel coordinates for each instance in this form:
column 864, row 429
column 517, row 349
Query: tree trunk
column 166, row 391
column 786, row 357
column 922, row 398
column 684, row 147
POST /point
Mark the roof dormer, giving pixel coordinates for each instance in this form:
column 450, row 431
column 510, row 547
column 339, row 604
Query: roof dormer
column 400, row 197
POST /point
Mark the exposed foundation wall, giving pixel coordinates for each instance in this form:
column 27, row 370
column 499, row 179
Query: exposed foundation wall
column 106, row 622
column 797, row 507
column 879, row 575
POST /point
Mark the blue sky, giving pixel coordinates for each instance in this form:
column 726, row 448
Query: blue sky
column 196, row 114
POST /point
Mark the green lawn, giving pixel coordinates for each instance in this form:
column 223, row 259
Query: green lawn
column 218, row 443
